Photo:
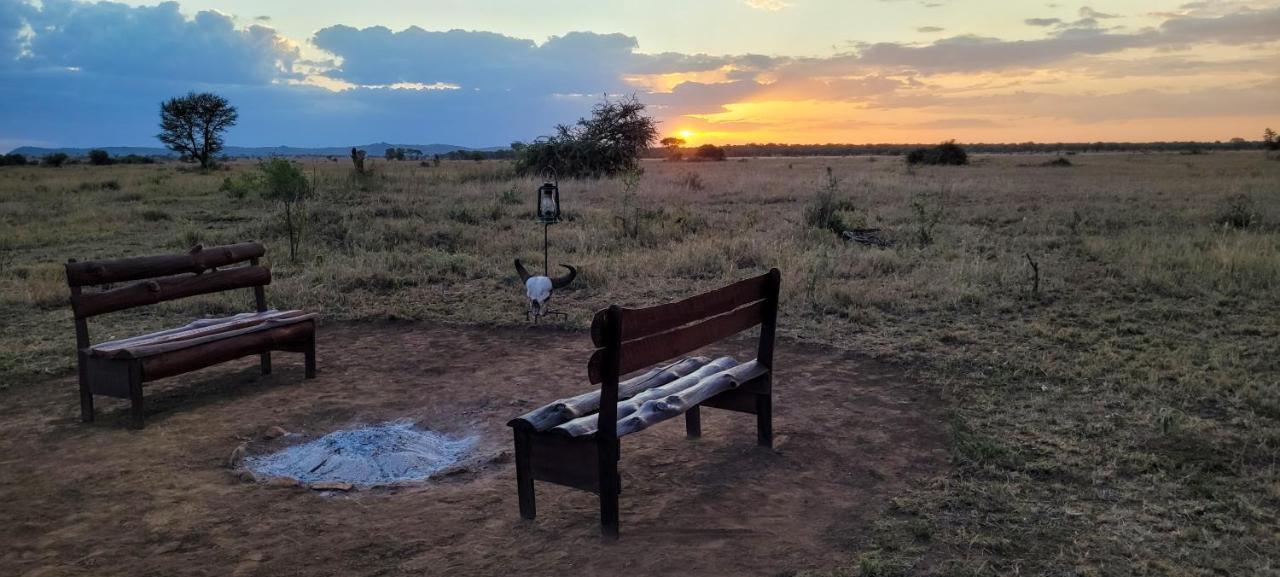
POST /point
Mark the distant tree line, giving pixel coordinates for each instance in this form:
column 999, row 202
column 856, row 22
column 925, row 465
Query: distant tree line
column 403, row 154
column 796, row 150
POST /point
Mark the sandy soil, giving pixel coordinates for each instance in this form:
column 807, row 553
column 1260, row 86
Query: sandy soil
column 99, row 499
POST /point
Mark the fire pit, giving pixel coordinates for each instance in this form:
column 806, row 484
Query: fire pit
column 383, row 454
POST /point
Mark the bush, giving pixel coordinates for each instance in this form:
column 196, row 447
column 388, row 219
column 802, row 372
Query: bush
column 692, row 181
column 826, row 208
column 99, row 157
column 1060, row 161
column 948, row 153
column 13, row 160
column 55, row 160
column 135, row 159
column 709, row 152
column 1239, row 212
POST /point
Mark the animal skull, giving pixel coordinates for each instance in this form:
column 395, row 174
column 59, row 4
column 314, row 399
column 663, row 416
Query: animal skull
column 538, row 289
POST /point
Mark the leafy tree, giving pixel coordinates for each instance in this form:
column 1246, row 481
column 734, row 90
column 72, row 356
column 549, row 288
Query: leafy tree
column 1269, row 139
column 55, row 160
column 192, row 125
column 282, row 181
column 12, row 159
column 99, row 157
column 276, row 180
column 607, row 144
column 709, row 152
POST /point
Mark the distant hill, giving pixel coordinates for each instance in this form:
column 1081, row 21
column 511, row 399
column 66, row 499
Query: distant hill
column 373, row 150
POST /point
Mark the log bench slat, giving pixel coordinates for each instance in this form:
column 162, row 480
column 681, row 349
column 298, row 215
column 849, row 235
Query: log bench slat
column 119, row 368
column 581, row 447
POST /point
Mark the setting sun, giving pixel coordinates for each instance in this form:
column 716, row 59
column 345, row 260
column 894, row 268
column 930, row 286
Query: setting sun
column 687, row 135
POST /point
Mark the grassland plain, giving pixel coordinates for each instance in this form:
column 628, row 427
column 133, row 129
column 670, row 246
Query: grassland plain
column 1124, row 419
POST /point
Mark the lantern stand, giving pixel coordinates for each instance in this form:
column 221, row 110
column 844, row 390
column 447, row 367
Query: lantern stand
column 548, row 213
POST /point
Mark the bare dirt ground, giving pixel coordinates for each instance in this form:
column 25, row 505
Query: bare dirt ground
column 99, row 499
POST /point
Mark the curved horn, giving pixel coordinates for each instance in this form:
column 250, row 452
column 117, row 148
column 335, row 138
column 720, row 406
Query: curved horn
column 524, row 274
column 563, row 281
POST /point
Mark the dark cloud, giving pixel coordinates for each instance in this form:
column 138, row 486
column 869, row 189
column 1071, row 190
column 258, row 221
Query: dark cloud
column 930, row 29
column 155, row 42
column 1043, row 21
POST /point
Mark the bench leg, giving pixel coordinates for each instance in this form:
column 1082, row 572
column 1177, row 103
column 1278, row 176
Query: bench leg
column 309, row 359
column 764, row 420
column 86, row 394
column 693, row 422
column 609, row 488
column 524, row 475
column 137, row 410
column 265, row 361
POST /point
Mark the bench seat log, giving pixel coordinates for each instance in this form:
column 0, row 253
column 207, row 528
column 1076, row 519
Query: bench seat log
column 575, row 442
column 564, row 410
column 585, row 426
column 119, row 368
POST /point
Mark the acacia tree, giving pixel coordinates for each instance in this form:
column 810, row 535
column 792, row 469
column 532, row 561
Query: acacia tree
column 672, row 144
column 192, row 125
column 607, row 144
column 1269, row 140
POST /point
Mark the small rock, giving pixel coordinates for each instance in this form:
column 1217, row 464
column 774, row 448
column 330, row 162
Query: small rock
column 246, row 476
column 284, row 482
column 237, row 456
column 332, row 486
column 274, row 433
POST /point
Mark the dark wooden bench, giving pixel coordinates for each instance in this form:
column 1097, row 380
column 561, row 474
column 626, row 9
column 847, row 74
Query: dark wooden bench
column 119, row 368
column 576, row 441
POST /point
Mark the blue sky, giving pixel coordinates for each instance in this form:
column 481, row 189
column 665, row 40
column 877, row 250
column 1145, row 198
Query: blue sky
column 486, row 73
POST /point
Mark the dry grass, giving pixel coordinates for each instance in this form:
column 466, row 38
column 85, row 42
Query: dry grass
column 1123, row 420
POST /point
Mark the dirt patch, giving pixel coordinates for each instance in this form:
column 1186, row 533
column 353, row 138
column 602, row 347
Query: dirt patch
column 99, row 499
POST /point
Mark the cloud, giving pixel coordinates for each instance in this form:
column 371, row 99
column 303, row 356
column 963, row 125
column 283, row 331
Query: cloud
column 767, row 5
column 576, row 62
column 1090, row 13
column 975, row 53
column 930, row 29
column 1043, row 21
column 154, row 42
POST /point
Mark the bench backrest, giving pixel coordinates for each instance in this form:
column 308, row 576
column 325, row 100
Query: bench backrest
column 632, row 339
column 163, row 278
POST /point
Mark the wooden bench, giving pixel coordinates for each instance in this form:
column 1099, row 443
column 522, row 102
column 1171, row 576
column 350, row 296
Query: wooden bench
column 576, row 441
column 119, row 368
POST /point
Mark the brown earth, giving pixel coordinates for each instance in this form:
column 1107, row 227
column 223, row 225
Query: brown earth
column 99, row 499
